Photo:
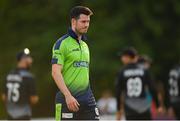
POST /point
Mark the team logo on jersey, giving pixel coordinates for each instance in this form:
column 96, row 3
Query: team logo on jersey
column 56, row 54
column 81, row 64
column 76, row 49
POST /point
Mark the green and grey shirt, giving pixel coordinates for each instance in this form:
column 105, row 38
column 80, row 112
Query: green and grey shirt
column 74, row 57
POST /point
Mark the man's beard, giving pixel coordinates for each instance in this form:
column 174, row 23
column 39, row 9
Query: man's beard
column 28, row 67
column 79, row 32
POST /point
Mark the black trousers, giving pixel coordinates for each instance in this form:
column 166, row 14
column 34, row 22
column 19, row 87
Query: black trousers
column 139, row 116
column 177, row 111
column 133, row 115
column 84, row 113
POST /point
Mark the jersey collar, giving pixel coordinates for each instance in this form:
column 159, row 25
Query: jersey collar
column 74, row 35
column 131, row 64
column 20, row 68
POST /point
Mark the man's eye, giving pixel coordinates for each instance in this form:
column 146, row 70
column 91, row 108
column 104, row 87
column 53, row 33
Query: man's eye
column 83, row 21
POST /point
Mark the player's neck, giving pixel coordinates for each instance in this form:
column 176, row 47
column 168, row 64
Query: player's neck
column 21, row 66
column 78, row 35
column 132, row 62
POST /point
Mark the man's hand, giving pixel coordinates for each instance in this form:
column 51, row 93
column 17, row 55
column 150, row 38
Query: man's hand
column 34, row 100
column 171, row 112
column 119, row 115
column 72, row 103
column 3, row 97
column 161, row 110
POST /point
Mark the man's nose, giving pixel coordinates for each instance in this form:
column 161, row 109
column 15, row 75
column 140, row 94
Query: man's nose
column 87, row 24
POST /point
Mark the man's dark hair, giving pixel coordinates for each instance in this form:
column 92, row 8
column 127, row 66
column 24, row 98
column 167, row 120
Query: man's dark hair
column 22, row 54
column 130, row 51
column 78, row 10
column 144, row 59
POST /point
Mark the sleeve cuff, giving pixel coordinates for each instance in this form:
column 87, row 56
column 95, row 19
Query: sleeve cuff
column 54, row 61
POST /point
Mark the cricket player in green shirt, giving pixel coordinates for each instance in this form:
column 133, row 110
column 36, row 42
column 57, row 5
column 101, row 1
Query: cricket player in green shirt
column 70, row 70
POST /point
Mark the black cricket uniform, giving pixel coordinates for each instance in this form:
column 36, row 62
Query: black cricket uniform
column 173, row 91
column 18, row 88
column 132, row 81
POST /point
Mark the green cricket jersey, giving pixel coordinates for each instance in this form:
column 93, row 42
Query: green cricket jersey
column 74, row 57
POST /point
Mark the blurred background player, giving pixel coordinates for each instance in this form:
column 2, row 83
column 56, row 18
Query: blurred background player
column 144, row 61
column 107, row 103
column 172, row 100
column 131, row 84
column 19, row 89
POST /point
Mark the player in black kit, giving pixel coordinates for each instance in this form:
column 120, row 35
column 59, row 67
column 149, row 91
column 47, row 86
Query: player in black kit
column 172, row 100
column 131, row 84
column 19, row 89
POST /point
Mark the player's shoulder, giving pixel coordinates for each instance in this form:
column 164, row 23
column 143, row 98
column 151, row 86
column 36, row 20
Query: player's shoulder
column 129, row 66
column 142, row 69
column 26, row 74
column 134, row 67
column 84, row 44
column 177, row 67
column 139, row 67
column 61, row 41
column 83, row 41
column 121, row 70
column 175, row 71
column 12, row 71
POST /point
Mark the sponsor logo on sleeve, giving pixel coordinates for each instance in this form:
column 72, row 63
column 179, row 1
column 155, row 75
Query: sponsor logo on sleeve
column 67, row 115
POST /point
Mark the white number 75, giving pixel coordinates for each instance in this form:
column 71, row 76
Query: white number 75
column 13, row 91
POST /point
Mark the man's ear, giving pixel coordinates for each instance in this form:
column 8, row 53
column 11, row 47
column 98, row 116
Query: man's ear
column 73, row 21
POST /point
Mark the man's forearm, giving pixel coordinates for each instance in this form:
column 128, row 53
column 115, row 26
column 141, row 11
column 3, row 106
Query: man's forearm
column 34, row 99
column 4, row 97
column 60, row 83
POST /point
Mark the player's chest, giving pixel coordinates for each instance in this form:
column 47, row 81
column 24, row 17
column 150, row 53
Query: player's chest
column 76, row 52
